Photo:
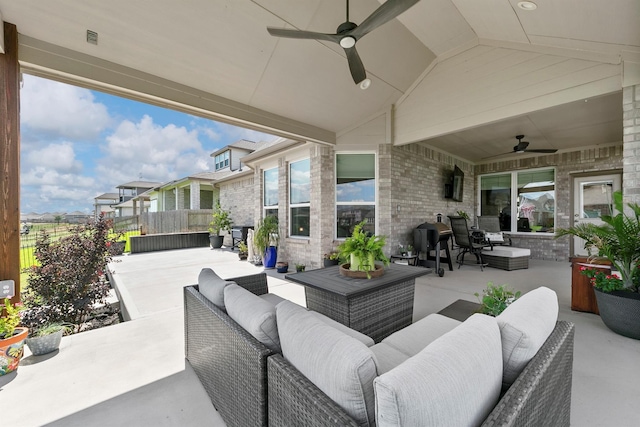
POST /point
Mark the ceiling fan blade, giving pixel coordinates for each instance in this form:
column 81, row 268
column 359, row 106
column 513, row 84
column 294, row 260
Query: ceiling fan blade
column 355, row 65
column 297, row 34
column 542, row 150
column 522, row 146
column 385, row 13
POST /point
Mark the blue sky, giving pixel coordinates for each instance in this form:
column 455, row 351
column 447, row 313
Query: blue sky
column 77, row 144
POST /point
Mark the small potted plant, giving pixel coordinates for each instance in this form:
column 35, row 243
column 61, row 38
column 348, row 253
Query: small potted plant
column 12, row 337
column 46, row 338
column 221, row 221
column 331, row 258
column 300, row 267
column 363, row 250
column 496, row 298
column 409, row 250
column 243, row 251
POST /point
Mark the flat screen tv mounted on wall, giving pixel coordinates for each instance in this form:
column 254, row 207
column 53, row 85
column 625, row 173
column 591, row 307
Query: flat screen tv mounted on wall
column 453, row 190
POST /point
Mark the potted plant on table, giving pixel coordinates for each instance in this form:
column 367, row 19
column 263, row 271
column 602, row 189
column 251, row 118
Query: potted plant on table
column 12, row 337
column 266, row 238
column 363, row 250
column 221, row 221
column 618, row 241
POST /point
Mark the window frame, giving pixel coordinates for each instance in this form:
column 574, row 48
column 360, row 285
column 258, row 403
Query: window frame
column 373, row 203
column 513, row 198
column 222, row 160
column 298, row 205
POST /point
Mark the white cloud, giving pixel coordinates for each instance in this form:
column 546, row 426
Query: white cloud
column 60, row 110
column 153, row 152
column 59, row 157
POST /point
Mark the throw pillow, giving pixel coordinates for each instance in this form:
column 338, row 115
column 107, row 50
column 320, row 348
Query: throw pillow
column 524, row 326
column 212, row 286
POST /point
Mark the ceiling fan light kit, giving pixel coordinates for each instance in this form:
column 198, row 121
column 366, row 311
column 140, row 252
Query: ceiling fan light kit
column 349, row 33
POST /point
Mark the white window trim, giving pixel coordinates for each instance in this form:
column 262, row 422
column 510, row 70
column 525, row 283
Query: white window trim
column 514, row 197
column 335, row 195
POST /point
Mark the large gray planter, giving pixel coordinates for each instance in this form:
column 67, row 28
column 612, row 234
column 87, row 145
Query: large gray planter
column 620, row 312
column 216, row 241
column 45, row 344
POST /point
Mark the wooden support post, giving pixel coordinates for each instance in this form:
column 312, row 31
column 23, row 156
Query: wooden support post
column 10, row 160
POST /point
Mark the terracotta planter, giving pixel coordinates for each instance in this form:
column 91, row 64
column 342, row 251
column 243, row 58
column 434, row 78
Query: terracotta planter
column 11, row 351
column 620, row 312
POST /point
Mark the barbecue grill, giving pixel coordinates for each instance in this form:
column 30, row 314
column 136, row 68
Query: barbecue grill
column 430, row 237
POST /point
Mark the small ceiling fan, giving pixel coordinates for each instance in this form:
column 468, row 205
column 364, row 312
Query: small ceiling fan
column 522, row 148
column 349, row 33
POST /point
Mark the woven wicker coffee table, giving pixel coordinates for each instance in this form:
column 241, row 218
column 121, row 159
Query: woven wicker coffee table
column 376, row 307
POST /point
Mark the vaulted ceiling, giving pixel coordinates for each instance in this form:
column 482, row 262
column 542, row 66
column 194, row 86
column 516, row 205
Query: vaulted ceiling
column 444, row 67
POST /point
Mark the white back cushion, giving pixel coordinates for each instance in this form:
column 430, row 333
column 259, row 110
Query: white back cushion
column 254, row 314
column 455, row 381
column 339, row 365
column 212, row 286
column 525, row 325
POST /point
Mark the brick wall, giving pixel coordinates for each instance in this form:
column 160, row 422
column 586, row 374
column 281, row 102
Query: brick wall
column 238, row 197
column 631, row 140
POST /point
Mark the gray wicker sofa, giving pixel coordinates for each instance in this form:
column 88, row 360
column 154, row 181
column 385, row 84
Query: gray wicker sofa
column 250, row 384
column 230, row 363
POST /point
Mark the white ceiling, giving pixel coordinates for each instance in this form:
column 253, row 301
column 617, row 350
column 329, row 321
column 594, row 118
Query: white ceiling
column 222, row 48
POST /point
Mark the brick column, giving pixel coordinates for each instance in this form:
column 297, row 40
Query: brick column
column 631, row 140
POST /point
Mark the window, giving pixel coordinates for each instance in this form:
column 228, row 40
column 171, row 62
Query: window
column 300, row 197
column 222, row 160
column 525, row 201
column 355, row 193
column 270, row 192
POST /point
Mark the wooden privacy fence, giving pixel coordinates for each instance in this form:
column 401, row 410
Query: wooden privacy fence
column 179, row 221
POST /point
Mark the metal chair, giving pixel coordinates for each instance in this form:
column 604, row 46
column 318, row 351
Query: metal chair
column 465, row 241
column 493, row 234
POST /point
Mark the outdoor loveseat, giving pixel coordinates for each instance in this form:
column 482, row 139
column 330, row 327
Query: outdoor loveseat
column 250, row 384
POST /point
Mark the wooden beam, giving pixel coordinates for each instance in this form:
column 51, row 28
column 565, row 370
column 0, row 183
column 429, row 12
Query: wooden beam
column 10, row 160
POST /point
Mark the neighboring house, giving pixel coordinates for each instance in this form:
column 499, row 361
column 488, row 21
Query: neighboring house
column 104, row 204
column 77, row 217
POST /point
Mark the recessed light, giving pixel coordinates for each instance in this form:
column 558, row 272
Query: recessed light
column 527, row 5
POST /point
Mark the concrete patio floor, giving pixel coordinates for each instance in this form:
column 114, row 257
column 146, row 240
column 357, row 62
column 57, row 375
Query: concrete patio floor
column 134, row 373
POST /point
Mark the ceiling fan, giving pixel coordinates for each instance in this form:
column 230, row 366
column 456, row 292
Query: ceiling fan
column 522, row 148
column 349, row 33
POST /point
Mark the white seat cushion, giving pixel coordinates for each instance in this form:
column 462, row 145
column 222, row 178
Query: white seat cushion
column 415, row 337
column 507, row 251
column 339, row 365
column 455, row 381
column 524, row 326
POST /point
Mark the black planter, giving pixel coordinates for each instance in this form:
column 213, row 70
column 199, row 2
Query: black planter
column 330, row 262
column 620, row 312
column 216, row 241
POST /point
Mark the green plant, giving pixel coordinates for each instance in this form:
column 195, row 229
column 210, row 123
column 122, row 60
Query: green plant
column 617, row 240
column 221, row 220
column 496, row 298
column 332, row 256
column 266, row 234
column 242, row 248
column 10, row 322
column 300, row 267
column 463, row 214
column 364, row 247
column 69, row 280
column 609, row 282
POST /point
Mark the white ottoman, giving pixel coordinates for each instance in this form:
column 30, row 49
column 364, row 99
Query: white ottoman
column 506, row 257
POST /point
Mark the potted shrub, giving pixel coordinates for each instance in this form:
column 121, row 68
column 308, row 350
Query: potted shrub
column 46, row 339
column 221, row 221
column 618, row 241
column 362, row 251
column 300, row 268
column 266, row 238
column 12, row 337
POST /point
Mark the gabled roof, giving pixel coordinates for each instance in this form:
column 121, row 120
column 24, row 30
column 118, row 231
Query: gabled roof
column 139, row 184
column 108, row 196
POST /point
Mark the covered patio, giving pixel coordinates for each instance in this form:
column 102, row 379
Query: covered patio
column 134, row 373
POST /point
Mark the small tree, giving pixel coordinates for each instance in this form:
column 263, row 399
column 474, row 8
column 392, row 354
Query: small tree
column 70, row 281
column 221, row 220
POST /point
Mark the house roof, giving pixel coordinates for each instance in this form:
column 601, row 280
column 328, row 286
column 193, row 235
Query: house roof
column 139, row 184
column 459, row 75
column 108, row 196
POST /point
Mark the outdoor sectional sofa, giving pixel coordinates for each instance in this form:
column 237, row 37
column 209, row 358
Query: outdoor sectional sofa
column 251, row 384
